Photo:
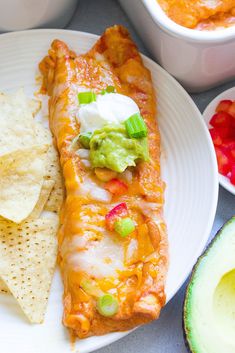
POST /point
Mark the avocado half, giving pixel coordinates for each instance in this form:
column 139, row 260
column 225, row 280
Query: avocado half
column 209, row 306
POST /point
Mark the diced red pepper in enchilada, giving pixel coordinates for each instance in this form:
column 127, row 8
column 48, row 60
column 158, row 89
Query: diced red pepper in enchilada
column 119, row 211
column 116, row 186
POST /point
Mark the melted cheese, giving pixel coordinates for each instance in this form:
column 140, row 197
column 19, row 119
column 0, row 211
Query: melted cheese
column 83, row 153
column 91, row 190
column 101, row 258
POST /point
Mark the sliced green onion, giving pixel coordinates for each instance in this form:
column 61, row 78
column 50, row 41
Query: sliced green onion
column 74, row 143
column 136, row 126
column 86, row 97
column 124, row 226
column 108, row 89
column 91, row 288
column 85, row 139
column 107, row 305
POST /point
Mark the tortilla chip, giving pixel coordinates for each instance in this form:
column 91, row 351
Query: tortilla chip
column 53, row 171
column 27, row 262
column 34, row 106
column 3, row 288
column 21, row 179
column 43, row 197
column 43, row 135
column 16, row 121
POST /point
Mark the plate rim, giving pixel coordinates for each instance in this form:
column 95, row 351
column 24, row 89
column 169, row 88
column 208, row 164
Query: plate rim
column 110, row 338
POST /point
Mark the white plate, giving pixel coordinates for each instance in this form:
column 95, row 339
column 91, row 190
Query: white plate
column 188, row 167
column 207, row 115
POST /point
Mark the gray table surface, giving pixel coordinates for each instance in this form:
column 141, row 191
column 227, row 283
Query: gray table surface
column 164, row 335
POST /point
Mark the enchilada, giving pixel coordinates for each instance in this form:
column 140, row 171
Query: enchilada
column 113, row 250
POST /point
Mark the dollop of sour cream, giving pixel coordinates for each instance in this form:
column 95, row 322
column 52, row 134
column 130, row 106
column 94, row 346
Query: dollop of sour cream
column 110, row 108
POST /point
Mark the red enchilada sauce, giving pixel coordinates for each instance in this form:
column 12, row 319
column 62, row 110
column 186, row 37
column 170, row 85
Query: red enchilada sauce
column 201, row 15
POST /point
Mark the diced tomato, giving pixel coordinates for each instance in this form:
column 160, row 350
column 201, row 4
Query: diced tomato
column 229, row 143
column 119, row 211
column 216, row 138
column 224, row 132
column 224, row 105
column 116, row 186
column 232, row 154
column 231, row 109
column 224, row 164
column 221, row 119
column 223, row 136
column 232, row 133
column 233, row 121
column 232, row 176
column 229, row 149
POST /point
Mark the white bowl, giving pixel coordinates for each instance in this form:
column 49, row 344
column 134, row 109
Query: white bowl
column 23, row 14
column 208, row 112
column 198, row 59
column 188, row 167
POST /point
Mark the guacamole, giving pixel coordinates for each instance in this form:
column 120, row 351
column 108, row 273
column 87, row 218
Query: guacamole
column 110, row 147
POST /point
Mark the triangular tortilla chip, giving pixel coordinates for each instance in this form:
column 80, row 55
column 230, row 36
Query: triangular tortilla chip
column 3, row 288
column 43, row 197
column 27, row 262
column 45, row 192
column 16, row 121
column 53, row 171
column 21, row 179
column 43, row 135
column 34, row 106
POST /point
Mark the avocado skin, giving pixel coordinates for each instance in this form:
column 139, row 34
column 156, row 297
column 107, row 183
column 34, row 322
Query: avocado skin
column 189, row 288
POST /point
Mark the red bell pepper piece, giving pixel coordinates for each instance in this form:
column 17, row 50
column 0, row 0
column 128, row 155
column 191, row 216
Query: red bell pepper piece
column 224, row 164
column 229, row 149
column 116, row 186
column 232, row 153
column 232, row 176
column 221, row 119
column 224, row 105
column 216, row 138
column 233, row 123
column 119, row 211
column 232, row 131
column 224, row 132
column 231, row 109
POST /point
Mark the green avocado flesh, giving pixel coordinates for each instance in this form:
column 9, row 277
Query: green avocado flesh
column 111, row 147
column 209, row 307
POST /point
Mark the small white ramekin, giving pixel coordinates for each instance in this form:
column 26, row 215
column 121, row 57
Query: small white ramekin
column 198, row 59
column 24, row 14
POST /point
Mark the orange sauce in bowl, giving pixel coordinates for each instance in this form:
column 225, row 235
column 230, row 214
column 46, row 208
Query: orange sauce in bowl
column 200, row 15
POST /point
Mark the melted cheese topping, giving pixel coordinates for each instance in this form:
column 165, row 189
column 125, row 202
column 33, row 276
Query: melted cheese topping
column 101, row 259
column 92, row 191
